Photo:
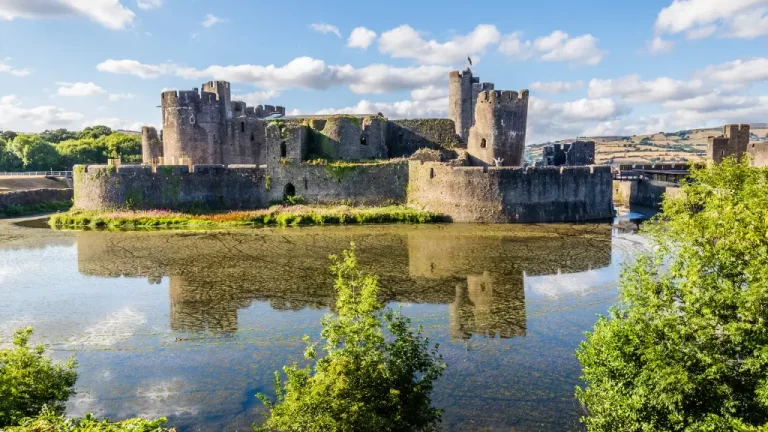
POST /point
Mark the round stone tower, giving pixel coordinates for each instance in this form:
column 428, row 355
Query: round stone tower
column 498, row 136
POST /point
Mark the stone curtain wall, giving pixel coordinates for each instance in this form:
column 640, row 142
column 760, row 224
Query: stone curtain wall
column 99, row 187
column 375, row 184
column 501, row 195
column 33, row 197
column 404, row 137
column 647, row 193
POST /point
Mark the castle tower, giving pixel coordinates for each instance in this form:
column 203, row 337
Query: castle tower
column 223, row 96
column 151, row 147
column 732, row 143
column 463, row 89
column 499, row 130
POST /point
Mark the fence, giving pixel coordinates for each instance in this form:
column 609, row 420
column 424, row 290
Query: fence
column 38, row 173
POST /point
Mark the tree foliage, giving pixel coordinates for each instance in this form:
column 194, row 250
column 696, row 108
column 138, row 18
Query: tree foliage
column 94, row 132
column 30, row 381
column 368, row 379
column 51, row 421
column 687, row 347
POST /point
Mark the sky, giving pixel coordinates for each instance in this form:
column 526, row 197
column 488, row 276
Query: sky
column 593, row 67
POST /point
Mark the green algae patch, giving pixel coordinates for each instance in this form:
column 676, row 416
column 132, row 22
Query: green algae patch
column 24, row 210
column 278, row 215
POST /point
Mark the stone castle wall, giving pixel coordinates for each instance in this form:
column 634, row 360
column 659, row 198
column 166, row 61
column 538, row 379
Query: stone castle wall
column 498, row 135
column 405, row 137
column 732, row 143
column 502, row 195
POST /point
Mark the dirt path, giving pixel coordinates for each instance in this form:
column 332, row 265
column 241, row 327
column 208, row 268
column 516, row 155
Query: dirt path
column 17, row 183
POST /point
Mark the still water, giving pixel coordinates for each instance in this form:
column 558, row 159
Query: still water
column 192, row 324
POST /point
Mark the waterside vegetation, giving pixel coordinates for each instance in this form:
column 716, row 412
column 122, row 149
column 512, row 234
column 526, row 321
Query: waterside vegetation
column 277, row 215
column 25, row 210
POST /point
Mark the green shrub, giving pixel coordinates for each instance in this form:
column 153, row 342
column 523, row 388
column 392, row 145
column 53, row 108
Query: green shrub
column 50, row 421
column 30, row 381
column 367, row 380
column 687, row 347
column 294, row 199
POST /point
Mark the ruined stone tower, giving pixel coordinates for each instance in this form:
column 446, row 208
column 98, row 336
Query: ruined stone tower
column 498, row 135
column 151, row 146
column 209, row 128
column 733, row 142
column 463, row 89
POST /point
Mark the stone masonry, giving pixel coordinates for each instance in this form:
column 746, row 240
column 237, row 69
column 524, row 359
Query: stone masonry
column 733, row 142
column 463, row 89
column 575, row 153
column 498, row 136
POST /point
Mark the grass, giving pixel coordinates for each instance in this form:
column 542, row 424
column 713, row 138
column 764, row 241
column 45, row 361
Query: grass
column 277, row 215
column 46, row 207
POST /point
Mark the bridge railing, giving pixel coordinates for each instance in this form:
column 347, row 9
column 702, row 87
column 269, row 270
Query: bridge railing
column 37, row 174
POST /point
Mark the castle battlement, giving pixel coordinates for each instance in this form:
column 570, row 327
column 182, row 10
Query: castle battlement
column 502, row 97
column 732, row 143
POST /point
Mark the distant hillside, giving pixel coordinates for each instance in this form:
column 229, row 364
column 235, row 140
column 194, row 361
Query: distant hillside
column 681, row 146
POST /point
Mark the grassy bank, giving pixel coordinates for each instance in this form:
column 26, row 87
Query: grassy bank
column 24, row 210
column 273, row 216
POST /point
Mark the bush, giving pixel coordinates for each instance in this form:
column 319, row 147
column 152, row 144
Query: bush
column 50, row 421
column 687, row 347
column 366, row 381
column 30, row 381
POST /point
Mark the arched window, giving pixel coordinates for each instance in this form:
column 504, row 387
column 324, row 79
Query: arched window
column 192, row 120
column 253, row 137
column 242, row 126
column 283, row 150
column 483, row 143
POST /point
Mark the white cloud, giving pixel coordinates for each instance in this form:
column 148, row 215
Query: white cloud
column 257, row 98
column 513, row 46
column 633, row 89
column 402, row 109
column 325, row 28
column 114, row 97
column 109, row 13
column 361, row 37
column 659, row 46
column 710, row 102
column 211, row 20
column 556, row 87
column 742, row 71
column 549, row 120
column 78, row 89
column 702, row 18
column 405, row 42
column 13, row 115
column 5, row 68
column 429, row 93
column 294, row 112
column 132, row 67
column 301, row 72
column 558, row 46
column 149, row 4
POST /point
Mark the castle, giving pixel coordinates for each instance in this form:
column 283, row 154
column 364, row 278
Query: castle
column 221, row 154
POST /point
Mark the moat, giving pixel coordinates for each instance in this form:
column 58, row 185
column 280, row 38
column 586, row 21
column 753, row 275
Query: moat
column 192, row 324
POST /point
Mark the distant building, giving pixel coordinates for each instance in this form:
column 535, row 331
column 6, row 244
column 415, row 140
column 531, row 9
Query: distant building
column 575, row 153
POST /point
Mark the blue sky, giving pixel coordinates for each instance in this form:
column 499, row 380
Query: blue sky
column 594, row 67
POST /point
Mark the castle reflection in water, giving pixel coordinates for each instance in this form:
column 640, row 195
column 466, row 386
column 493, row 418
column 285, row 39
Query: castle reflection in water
column 478, row 270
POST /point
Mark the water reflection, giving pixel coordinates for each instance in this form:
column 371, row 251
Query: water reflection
column 478, row 271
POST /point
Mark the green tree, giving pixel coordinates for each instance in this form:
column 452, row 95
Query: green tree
column 8, row 135
column 82, row 151
column 367, row 381
column 40, row 156
column 687, row 347
column 30, row 381
column 51, row 421
column 95, row 132
column 58, row 135
column 123, row 146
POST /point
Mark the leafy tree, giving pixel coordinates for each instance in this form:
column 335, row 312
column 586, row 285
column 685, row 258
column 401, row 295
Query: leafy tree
column 82, row 151
column 40, row 156
column 51, row 421
column 9, row 161
column 58, row 135
column 8, row 135
column 95, row 132
column 29, row 381
column 366, row 381
column 120, row 145
column 687, row 348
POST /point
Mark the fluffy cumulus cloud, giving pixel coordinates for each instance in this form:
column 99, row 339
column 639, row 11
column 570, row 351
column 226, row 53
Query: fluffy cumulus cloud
column 556, row 87
column 361, row 37
column 428, row 101
column 557, row 46
column 257, row 98
column 405, row 42
column 149, row 4
column 117, row 124
column 325, row 28
column 6, row 68
column 301, row 72
column 633, row 89
column 109, row 13
column 115, row 97
column 742, row 71
column 14, row 115
column 660, row 46
column 703, row 18
column 211, row 20
column 132, row 67
column 79, row 89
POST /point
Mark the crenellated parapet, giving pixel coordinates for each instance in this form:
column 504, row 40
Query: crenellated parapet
column 732, row 143
column 498, row 135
